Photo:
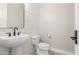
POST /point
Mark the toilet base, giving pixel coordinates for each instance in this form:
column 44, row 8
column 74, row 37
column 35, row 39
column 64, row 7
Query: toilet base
column 42, row 52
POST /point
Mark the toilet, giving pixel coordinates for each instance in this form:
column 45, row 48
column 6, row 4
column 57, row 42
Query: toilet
column 41, row 48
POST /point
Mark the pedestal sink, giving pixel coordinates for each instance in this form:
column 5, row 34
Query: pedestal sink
column 13, row 41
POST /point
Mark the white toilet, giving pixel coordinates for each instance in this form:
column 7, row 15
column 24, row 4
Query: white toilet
column 41, row 48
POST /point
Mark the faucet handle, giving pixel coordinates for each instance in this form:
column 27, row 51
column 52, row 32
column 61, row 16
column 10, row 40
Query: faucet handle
column 9, row 33
column 18, row 33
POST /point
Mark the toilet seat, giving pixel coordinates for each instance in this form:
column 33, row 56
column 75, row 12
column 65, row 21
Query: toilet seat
column 43, row 46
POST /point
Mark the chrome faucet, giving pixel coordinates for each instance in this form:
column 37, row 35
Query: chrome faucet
column 14, row 33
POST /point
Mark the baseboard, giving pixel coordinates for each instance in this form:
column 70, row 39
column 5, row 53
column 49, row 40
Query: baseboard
column 61, row 51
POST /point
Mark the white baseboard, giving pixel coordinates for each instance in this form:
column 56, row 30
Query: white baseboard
column 61, row 51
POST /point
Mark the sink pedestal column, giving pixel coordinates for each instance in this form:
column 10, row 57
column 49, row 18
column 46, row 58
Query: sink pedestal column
column 10, row 51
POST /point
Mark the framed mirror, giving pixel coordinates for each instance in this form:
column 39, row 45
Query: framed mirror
column 11, row 15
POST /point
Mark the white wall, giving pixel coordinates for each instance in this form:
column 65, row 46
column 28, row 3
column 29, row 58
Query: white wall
column 58, row 21
column 31, row 18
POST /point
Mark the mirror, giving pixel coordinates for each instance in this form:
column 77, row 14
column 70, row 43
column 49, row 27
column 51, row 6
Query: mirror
column 15, row 15
column 11, row 15
column 3, row 15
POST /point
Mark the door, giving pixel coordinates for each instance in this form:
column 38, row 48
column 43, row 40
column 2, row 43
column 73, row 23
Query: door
column 77, row 27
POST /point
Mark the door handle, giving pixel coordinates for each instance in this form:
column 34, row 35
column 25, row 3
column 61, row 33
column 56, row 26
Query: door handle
column 75, row 37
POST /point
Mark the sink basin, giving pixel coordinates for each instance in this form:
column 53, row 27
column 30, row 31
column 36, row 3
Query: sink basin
column 13, row 41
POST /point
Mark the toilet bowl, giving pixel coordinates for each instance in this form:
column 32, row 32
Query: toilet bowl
column 41, row 48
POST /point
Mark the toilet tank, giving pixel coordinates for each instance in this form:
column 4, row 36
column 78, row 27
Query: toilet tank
column 35, row 39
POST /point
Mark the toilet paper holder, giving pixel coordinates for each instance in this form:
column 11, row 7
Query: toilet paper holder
column 49, row 35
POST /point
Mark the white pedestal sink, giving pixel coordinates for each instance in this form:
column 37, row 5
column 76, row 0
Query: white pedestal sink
column 13, row 41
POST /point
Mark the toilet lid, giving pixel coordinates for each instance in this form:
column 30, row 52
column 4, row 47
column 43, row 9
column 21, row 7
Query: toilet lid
column 43, row 45
column 35, row 36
